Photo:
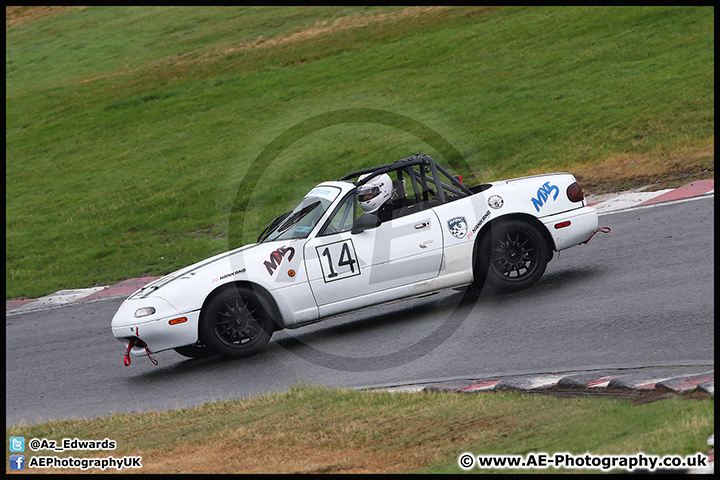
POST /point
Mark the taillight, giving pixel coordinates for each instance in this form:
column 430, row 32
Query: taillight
column 575, row 193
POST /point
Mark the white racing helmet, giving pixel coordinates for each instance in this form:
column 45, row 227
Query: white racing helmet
column 374, row 193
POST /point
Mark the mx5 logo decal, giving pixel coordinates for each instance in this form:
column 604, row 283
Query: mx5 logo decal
column 544, row 193
column 276, row 258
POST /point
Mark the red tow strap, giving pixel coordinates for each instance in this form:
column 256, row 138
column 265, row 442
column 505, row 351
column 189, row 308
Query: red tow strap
column 148, row 354
column 601, row 229
column 127, row 360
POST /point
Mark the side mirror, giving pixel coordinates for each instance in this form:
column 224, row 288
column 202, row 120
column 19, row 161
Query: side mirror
column 366, row 221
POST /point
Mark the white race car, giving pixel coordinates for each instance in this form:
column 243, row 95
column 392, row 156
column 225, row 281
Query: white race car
column 394, row 231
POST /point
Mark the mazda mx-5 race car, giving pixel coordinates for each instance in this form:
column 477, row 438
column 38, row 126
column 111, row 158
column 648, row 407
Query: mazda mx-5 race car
column 394, row 231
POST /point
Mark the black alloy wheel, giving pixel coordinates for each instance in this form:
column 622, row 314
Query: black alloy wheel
column 236, row 322
column 513, row 255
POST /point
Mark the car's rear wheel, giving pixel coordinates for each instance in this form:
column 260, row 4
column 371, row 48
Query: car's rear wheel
column 512, row 255
column 236, row 322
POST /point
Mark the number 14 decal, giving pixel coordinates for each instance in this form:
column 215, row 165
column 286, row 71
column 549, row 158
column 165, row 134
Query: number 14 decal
column 338, row 260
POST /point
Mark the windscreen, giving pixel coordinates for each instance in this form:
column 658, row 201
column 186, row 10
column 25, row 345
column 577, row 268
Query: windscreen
column 300, row 221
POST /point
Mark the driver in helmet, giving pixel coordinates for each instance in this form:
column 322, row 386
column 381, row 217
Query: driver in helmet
column 376, row 196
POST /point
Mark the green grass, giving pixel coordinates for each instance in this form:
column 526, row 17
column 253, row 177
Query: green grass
column 129, row 130
column 321, row 430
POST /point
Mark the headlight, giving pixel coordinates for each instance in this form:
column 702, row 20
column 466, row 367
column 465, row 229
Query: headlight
column 144, row 312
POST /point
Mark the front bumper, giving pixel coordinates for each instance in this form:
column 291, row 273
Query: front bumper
column 165, row 329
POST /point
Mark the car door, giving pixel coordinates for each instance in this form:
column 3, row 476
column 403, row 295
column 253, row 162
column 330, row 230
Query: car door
column 401, row 251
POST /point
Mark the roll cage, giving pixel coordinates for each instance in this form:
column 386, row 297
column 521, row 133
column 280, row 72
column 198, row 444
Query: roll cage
column 432, row 184
column 419, row 183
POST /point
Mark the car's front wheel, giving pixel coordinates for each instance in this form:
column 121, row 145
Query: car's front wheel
column 236, row 322
column 512, row 255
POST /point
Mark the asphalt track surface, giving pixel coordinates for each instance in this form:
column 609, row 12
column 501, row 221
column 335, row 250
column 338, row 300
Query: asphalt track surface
column 641, row 296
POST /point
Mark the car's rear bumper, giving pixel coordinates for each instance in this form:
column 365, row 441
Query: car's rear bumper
column 573, row 227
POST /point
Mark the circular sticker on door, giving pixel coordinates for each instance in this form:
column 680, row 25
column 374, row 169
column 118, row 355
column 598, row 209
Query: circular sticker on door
column 495, row 202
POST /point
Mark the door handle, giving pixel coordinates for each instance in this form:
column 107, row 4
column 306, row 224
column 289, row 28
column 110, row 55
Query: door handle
column 426, row 243
column 422, row 225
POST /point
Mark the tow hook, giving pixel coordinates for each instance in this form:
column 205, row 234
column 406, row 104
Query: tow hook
column 139, row 343
column 601, row 229
column 127, row 360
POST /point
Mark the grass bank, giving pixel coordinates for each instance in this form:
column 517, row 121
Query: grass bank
column 322, row 430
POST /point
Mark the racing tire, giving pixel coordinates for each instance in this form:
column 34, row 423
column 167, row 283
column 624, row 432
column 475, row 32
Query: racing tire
column 236, row 322
column 512, row 255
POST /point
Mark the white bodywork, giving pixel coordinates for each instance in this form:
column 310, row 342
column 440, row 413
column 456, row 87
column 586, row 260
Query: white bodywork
column 318, row 276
